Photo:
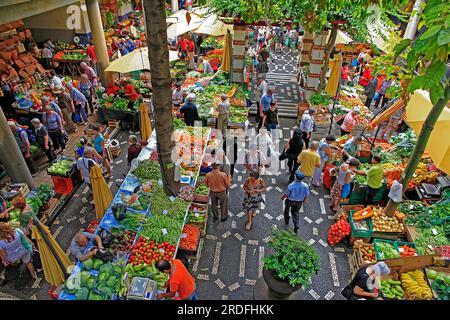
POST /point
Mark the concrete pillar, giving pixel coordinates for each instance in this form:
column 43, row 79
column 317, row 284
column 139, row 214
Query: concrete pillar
column 238, row 53
column 307, row 42
column 316, row 61
column 174, row 4
column 12, row 160
column 95, row 22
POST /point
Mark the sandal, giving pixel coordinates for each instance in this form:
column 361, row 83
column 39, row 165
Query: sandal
column 254, row 214
column 246, row 227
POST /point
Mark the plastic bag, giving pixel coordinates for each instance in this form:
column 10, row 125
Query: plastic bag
column 396, row 192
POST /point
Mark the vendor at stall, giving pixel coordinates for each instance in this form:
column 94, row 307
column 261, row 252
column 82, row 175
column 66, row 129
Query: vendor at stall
column 55, row 81
column 177, row 96
column 130, row 92
column 374, row 179
column 206, row 67
column 135, row 148
column 351, row 148
column 80, row 243
column 181, row 284
column 366, row 283
column 348, row 126
column 4, row 211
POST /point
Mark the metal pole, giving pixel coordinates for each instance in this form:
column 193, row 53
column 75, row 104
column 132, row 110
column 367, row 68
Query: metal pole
column 174, row 4
column 336, row 96
column 10, row 155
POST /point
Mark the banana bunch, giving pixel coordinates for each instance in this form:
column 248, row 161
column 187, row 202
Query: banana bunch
column 422, row 175
column 415, row 284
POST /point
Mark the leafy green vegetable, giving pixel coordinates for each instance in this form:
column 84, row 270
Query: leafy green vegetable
column 82, row 294
column 148, row 170
column 87, row 264
column 319, row 99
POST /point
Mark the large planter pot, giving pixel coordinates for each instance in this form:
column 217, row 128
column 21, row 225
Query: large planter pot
column 278, row 289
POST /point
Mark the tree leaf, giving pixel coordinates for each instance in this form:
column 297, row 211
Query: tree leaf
column 401, row 46
column 436, row 93
column 415, row 84
column 443, row 37
column 447, row 22
column 430, row 32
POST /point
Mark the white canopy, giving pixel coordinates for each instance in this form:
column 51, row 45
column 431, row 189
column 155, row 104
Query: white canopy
column 135, row 60
column 178, row 23
column 343, row 38
column 213, row 26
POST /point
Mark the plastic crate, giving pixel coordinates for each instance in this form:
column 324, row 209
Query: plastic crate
column 359, row 232
column 377, row 253
column 60, row 158
column 63, row 185
column 364, row 159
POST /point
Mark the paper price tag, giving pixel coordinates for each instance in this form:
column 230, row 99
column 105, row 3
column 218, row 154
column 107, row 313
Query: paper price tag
column 184, row 235
column 162, row 250
column 196, row 214
column 164, row 231
column 411, row 207
column 165, row 212
column 430, row 246
column 434, row 231
column 172, row 198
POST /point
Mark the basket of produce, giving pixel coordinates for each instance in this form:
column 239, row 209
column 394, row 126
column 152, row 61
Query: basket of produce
column 392, row 289
column 15, row 189
column 415, row 285
column 190, row 238
column 362, row 227
column 385, row 249
column 440, row 283
column 366, row 251
column 201, row 193
column 407, row 249
column 62, row 167
column 384, row 226
column 198, row 214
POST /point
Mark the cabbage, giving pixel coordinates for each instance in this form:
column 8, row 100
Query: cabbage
column 90, row 283
column 82, row 294
column 94, row 296
column 85, row 275
column 112, row 282
column 106, row 268
column 105, row 291
column 87, row 264
column 103, row 277
column 97, row 264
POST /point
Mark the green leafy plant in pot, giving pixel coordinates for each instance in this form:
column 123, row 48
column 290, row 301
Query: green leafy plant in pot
column 291, row 265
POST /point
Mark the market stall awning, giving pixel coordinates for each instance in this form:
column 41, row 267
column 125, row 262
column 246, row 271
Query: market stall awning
column 335, row 75
column 135, row 60
column 183, row 22
column 343, row 38
column 213, row 26
column 438, row 145
column 102, row 195
column 386, row 114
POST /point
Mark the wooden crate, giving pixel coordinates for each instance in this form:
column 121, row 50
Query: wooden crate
column 113, row 123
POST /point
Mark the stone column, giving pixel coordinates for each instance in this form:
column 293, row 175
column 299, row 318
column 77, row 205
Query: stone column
column 238, row 53
column 12, row 160
column 95, row 22
column 307, row 42
column 316, row 62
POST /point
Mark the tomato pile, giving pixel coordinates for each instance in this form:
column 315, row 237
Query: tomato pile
column 338, row 231
column 407, row 251
column 149, row 252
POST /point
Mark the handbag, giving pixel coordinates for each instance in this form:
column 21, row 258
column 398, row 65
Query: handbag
column 347, row 292
column 25, row 242
column 76, row 117
column 283, row 155
column 36, row 260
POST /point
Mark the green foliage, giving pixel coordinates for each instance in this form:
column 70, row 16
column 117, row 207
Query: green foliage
column 428, row 53
column 294, row 259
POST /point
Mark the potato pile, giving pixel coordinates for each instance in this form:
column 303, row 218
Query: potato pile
column 381, row 222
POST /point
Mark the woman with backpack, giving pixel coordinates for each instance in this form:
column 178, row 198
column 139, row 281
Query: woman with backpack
column 55, row 128
column 292, row 150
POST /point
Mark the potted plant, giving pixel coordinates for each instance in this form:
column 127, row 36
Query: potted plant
column 291, row 265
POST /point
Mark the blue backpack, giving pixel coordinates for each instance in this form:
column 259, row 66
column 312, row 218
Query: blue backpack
column 30, row 134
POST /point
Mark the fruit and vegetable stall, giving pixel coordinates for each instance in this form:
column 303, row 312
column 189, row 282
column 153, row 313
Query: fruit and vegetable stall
column 141, row 226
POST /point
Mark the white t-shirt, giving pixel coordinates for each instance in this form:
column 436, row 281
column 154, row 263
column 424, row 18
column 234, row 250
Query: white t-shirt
column 177, row 97
column 84, row 165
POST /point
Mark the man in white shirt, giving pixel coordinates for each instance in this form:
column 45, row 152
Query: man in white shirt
column 177, row 96
column 55, row 81
column 222, row 120
column 85, row 163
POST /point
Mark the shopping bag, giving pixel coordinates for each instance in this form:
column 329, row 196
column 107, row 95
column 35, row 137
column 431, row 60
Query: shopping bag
column 76, row 117
column 283, row 155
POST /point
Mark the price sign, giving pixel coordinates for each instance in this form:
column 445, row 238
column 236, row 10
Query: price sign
column 430, row 246
column 162, row 250
column 164, row 231
column 196, row 214
column 165, row 212
column 434, row 231
column 172, row 198
column 184, row 235
column 411, row 207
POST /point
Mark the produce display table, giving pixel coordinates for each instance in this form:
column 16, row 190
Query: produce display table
column 129, row 187
column 70, row 67
column 131, row 117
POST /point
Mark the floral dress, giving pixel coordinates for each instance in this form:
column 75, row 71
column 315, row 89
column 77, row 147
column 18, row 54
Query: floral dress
column 253, row 199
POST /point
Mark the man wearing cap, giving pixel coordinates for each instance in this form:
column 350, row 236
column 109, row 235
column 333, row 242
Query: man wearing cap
column 24, row 145
column 66, row 105
column 297, row 192
column 307, row 125
column 222, row 120
column 348, row 126
column 189, row 110
column 366, row 283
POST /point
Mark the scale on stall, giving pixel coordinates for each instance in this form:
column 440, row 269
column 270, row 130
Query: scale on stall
column 142, row 289
column 434, row 191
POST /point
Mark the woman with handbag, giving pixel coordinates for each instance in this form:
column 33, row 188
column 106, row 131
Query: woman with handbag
column 254, row 186
column 15, row 247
